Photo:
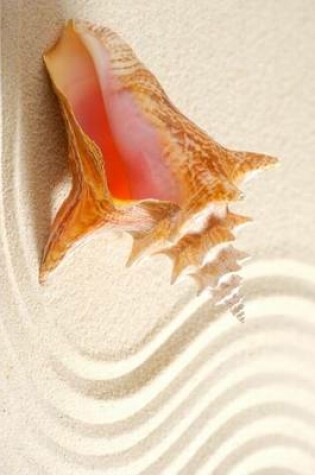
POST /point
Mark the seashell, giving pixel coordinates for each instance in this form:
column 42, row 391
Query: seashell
column 140, row 166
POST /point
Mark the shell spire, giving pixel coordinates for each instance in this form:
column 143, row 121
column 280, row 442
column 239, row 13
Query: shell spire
column 140, row 166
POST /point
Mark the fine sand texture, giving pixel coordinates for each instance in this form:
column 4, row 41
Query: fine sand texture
column 112, row 371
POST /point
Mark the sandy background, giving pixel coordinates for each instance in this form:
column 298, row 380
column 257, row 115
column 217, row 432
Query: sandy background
column 111, row 370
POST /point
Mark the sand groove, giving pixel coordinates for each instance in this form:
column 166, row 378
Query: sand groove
column 115, row 380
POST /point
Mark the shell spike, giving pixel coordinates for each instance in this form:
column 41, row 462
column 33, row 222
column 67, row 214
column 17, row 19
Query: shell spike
column 246, row 163
column 235, row 220
column 139, row 247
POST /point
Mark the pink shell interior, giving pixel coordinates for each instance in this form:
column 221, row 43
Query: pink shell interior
column 108, row 114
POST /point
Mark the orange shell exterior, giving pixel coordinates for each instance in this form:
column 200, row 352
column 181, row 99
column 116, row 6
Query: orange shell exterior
column 207, row 176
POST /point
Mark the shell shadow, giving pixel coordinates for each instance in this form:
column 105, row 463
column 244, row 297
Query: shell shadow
column 42, row 141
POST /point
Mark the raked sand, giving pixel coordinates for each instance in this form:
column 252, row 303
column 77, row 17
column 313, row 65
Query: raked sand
column 108, row 370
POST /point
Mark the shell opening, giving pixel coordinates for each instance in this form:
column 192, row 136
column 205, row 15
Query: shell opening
column 80, row 68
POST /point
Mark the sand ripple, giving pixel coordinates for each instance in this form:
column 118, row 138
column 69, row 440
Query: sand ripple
column 118, row 379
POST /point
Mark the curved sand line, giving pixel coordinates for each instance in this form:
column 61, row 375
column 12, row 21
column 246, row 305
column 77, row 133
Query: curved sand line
column 274, row 470
column 245, row 383
column 221, row 400
column 261, row 443
column 186, row 394
column 222, row 434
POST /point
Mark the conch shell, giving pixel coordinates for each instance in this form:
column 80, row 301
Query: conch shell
column 139, row 165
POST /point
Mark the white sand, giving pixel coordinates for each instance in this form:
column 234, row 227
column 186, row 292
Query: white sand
column 111, row 370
